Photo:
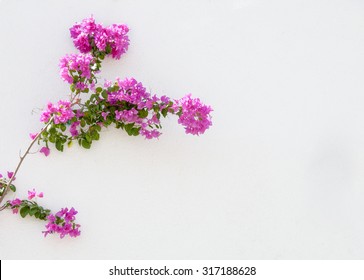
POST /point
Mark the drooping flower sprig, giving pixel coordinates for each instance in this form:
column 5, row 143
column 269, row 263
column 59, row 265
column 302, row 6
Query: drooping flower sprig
column 63, row 222
column 93, row 105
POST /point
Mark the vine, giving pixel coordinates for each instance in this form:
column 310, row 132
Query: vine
column 91, row 107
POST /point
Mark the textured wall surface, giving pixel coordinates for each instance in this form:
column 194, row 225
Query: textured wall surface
column 278, row 176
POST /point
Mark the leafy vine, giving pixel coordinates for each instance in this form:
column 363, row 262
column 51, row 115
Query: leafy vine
column 91, row 107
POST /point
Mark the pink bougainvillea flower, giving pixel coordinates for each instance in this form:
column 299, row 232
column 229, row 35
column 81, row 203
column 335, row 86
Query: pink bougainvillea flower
column 31, row 194
column 62, row 112
column 10, row 175
column 73, row 128
column 79, row 63
column 79, row 114
column 45, row 151
column 63, row 223
column 15, row 202
column 33, row 135
column 62, row 212
column 104, row 115
column 40, row 194
column 195, row 116
column 112, row 38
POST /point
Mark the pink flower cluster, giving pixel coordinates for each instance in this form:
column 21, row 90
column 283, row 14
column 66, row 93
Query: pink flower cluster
column 63, row 222
column 195, row 116
column 88, row 34
column 33, row 193
column 76, row 65
column 133, row 92
column 62, row 112
column 15, row 203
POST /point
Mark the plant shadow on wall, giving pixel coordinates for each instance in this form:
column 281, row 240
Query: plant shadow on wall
column 90, row 107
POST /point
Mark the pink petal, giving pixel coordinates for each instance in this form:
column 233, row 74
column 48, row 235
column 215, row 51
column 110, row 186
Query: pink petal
column 31, row 194
column 10, row 175
column 40, row 194
column 33, row 135
column 45, row 151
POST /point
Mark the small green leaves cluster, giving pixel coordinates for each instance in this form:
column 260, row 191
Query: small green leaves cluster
column 31, row 208
column 55, row 134
column 3, row 184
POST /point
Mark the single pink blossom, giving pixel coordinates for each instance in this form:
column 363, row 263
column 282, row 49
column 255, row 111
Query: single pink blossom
column 104, row 115
column 10, row 175
column 32, row 194
column 73, row 128
column 15, row 202
column 79, row 114
column 46, row 151
column 40, row 194
column 33, row 135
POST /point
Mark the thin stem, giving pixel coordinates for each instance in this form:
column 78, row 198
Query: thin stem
column 73, row 98
column 4, row 206
column 22, row 159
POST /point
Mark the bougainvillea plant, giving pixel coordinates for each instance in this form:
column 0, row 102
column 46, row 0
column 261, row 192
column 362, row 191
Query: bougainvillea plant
column 91, row 107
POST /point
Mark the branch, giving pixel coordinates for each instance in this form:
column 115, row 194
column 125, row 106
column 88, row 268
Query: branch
column 21, row 161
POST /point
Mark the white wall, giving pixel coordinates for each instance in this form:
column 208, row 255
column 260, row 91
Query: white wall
column 280, row 173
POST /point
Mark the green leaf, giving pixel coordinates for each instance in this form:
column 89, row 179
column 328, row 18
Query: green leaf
column 86, row 144
column 51, row 129
column 88, row 137
column 108, row 49
column 52, row 139
column 115, row 88
column 42, row 216
column 128, row 128
column 33, row 210
column 143, row 113
column 24, row 211
column 135, row 131
column 83, row 123
column 62, row 127
column 13, row 188
column 95, row 135
column 72, row 87
column 164, row 112
column 104, row 94
column 59, row 145
column 98, row 89
column 119, row 125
